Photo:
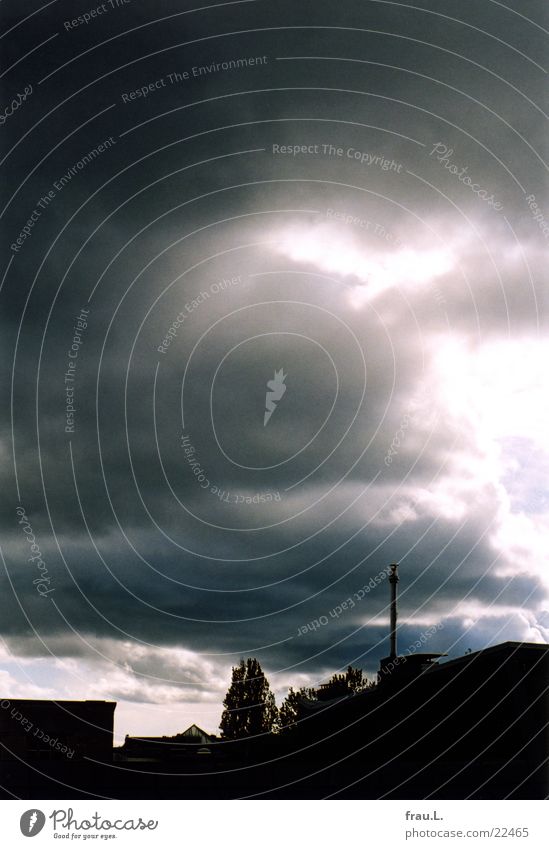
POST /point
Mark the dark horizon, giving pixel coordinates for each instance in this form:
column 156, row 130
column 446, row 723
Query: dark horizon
column 474, row 728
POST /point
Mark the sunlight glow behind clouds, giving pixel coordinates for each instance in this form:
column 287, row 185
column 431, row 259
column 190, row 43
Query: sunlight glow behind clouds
column 501, row 388
column 379, row 269
column 497, row 395
column 492, row 396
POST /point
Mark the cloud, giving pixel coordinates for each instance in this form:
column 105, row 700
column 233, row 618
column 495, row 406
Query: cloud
column 408, row 318
column 372, row 272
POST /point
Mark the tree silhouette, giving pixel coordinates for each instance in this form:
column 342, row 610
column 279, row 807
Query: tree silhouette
column 250, row 706
column 356, row 680
column 353, row 681
column 290, row 709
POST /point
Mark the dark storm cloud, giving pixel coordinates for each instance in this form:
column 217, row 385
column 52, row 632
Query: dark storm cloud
column 136, row 563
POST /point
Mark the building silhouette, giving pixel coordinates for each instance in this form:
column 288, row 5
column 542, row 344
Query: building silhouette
column 190, row 743
column 476, row 726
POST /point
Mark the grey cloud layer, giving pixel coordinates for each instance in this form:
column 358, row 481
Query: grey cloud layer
column 186, row 573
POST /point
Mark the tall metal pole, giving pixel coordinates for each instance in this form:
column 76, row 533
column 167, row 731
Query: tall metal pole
column 393, row 580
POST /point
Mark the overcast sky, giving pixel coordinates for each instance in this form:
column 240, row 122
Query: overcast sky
column 352, row 195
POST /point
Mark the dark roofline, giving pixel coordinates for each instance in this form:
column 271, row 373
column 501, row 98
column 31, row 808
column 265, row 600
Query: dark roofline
column 194, row 725
column 150, row 739
column 424, row 655
column 499, row 647
column 173, row 739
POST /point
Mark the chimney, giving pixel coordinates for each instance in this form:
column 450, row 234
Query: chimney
column 393, row 580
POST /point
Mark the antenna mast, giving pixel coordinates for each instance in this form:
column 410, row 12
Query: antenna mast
column 393, row 580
